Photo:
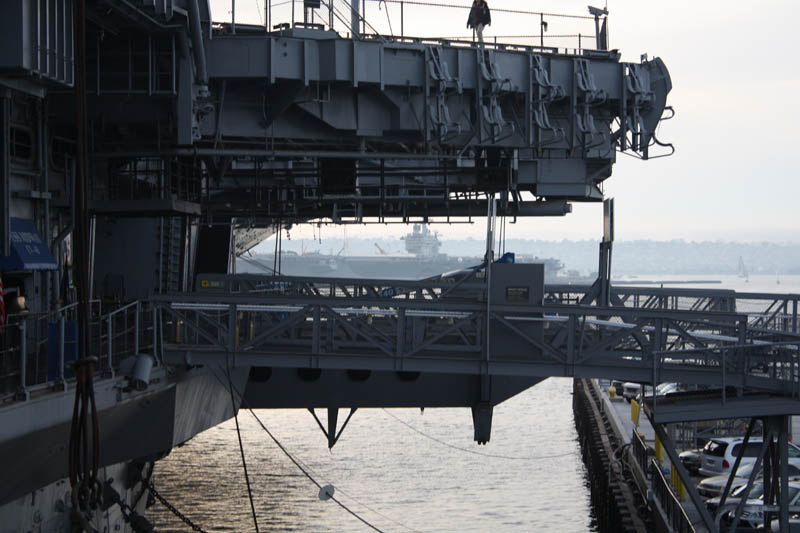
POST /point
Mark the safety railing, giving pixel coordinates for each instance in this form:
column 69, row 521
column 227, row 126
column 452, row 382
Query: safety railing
column 771, row 312
column 669, row 503
column 24, row 348
column 639, row 452
column 36, row 351
column 443, row 324
column 127, row 331
column 399, row 21
column 766, row 312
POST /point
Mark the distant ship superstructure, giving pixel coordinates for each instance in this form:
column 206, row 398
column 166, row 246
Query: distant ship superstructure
column 422, row 242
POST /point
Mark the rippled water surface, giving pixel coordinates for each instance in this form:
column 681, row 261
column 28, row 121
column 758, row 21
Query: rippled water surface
column 394, row 477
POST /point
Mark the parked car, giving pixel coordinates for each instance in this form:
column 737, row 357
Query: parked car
column 618, row 386
column 719, row 454
column 662, row 390
column 714, row 485
column 753, row 512
column 794, row 524
column 691, row 460
column 758, row 489
column 630, row 390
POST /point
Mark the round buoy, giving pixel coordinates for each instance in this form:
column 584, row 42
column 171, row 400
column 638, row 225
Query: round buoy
column 326, row 492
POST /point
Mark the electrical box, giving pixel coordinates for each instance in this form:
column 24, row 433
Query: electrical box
column 517, row 286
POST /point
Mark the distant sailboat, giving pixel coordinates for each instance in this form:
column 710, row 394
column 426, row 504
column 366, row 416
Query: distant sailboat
column 743, row 270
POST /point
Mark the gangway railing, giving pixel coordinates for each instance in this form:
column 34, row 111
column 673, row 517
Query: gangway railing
column 769, row 312
column 445, row 327
column 438, row 326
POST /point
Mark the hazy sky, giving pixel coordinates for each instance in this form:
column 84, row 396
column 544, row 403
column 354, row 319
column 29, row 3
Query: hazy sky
column 734, row 69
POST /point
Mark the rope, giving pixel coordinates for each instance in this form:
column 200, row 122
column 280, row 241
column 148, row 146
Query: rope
column 260, row 13
column 467, row 450
column 389, row 20
column 307, row 474
column 241, row 450
column 86, row 489
column 389, row 518
column 336, row 14
column 299, row 464
column 361, row 17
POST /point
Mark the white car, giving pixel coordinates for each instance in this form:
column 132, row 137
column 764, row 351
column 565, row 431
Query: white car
column 630, row 390
column 714, row 485
column 719, row 454
column 662, row 390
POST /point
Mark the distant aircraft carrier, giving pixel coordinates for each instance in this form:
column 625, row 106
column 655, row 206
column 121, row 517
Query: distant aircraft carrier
column 422, row 260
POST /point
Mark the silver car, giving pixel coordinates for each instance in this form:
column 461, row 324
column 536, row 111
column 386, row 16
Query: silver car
column 714, row 485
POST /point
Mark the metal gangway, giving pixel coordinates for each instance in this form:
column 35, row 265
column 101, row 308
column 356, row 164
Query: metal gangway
column 468, row 325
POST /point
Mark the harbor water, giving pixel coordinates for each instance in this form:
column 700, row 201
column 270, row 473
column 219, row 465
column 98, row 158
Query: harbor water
column 401, row 469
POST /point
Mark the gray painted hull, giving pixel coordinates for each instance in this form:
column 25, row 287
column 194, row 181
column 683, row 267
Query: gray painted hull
column 145, row 425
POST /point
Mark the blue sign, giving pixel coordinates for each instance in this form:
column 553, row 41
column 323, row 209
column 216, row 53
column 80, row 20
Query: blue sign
column 28, row 249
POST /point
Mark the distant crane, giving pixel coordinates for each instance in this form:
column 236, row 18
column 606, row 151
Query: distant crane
column 380, row 250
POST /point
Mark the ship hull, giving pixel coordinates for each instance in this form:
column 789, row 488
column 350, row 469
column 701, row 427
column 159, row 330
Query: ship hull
column 134, row 426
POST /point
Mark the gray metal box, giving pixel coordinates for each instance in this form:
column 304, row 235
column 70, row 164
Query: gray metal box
column 512, row 332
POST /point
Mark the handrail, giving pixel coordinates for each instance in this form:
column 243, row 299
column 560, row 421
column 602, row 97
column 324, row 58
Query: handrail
column 123, row 308
column 669, row 503
column 639, row 451
column 213, row 324
column 116, row 333
column 342, row 19
column 698, row 338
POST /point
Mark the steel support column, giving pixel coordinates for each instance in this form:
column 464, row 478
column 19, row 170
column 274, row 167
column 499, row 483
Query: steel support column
column 768, row 434
column 783, row 458
column 354, row 19
column 726, row 492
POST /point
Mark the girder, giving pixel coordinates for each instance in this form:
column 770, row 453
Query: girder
column 441, row 327
column 286, row 388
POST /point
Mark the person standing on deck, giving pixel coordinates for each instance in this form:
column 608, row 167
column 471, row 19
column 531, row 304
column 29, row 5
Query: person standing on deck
column 479, row 18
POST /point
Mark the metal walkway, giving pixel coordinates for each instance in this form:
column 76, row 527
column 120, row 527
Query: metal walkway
column 715, row 338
